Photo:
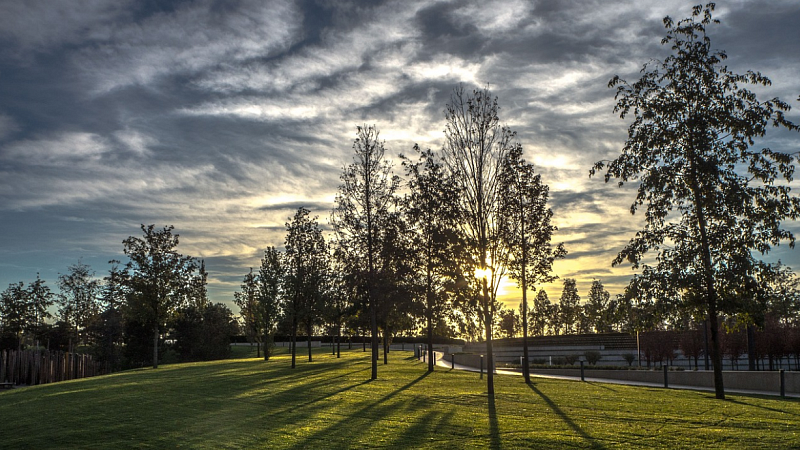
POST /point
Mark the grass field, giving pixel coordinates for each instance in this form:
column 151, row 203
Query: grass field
column 249, row 403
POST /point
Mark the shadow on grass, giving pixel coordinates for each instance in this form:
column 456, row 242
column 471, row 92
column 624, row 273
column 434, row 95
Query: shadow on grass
column 594, row 443
column 780, row 411
column 376, row 411
column 494, row 426
column 601, row 385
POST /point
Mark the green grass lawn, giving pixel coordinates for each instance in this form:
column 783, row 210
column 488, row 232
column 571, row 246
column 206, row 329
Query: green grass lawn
column 329, row 403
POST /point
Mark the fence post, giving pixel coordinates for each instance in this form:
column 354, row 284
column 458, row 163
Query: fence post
column 666, row 377
column 582, row 377
column 453, row 361
column 481, row 367
column 783, row 383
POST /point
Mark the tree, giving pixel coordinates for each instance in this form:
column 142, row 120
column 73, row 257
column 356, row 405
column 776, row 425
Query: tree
column 363, row 203
column 204, row 333
column 435, row 244
column 475, row 147
column 77, row 300
column 526, row 229
column 569, row 307
column 541, row 313
column 710, row 200
column 247, row 301
column 599, row 308
column 159, row 278
column 307, row 267
column 509, row 322
column 270, row 296
column 15, row 311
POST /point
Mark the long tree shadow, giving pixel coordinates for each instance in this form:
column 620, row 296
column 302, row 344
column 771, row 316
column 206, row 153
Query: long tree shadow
column 377, row 408
column 781, row 411
column 567, row 420
column 494, row 426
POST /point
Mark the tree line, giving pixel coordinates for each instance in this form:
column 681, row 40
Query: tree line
column 155, row 303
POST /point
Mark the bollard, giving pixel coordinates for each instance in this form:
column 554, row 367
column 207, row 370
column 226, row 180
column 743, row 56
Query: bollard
column 452, row 361
column 582, row 377
column 783, row 383
column 481, row 367
column 666, row 377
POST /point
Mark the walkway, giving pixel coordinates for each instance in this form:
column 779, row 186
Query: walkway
column 441, row 362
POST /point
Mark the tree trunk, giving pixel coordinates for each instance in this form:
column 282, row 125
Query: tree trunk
column 294, row 340
column 708, row 275
column 155, row 347
column 430, row 340
column 308, row 332
column 385, row 346
column 526, row 373
column 489, row 357
column 373, row 324
column 751, row 348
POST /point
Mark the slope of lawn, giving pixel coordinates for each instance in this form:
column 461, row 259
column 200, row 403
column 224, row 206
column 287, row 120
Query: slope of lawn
column 329, row 403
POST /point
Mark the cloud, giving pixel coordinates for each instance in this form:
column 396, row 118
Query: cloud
column 192, row 37
column 222, row 118
column 7, row 126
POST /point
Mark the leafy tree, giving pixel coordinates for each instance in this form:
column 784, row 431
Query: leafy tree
column 527, row 231
column 435, row 244
column 270, row 296
column 77, row 301
column 363, row 203
column 204, row 333
column 306, row 269
column 710, row 200
column 158, row 279
column 599, row 308
column 475, row 147
column 569, row 307
column 15, row 311
column 247, row 301
column 509, row 322
column 541, row 314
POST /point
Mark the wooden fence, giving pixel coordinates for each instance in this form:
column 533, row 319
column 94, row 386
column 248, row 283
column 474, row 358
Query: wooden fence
column 30, row 367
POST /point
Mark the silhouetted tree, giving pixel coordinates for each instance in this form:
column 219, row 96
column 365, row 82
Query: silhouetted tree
column 569, row 307
column 435, row 243
column 599, row 308
column 247, row 301
column 540, row 314
column 476, row 145
column 527, row 231
column 364, row 200
column 77, row 300
column 271, row 276
column 689, row 149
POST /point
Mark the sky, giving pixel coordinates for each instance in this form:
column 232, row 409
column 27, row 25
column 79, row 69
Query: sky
column 223, row 117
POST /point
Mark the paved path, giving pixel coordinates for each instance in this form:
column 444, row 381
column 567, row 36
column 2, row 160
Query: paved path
column 447, row 364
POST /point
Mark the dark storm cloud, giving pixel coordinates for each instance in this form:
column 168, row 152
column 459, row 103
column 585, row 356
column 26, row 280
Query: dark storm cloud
column 222, row 118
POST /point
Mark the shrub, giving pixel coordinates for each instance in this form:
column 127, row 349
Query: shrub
column 592, row 356
column 629, row 358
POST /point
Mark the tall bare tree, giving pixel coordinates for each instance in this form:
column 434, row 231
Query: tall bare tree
column 474, row 150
